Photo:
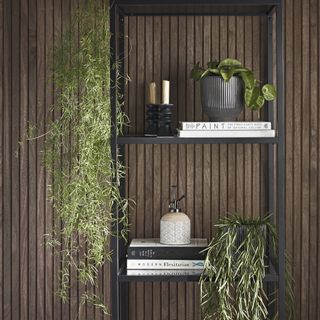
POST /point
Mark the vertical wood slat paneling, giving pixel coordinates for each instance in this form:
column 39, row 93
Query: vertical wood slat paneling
column 314, row 160
column 32, row 181
column 177, row 68
column 49, row 96
column 74, row 287
column 6, row 246
column 305, row 175
column 15, row 126
column 296, row 137
column 316, row 94
column 57, row 307
column 214, row 178
column 289, row 115
column 41, row 183
column 65, row 310
column 1, row 151
column 24, row 193
column 57, row 11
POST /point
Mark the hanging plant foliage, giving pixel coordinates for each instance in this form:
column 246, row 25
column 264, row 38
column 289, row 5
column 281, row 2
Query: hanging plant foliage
column 78, row 153
column 232, row 282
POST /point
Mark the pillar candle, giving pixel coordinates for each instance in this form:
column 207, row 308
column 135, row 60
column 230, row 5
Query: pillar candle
column 152, row 93
column 165, row 91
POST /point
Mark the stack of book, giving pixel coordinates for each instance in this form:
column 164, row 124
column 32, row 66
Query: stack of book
column 248, row 129
column 150, row 257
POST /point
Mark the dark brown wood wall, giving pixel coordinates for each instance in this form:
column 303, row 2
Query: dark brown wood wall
column 29, row 272
column 214, row 178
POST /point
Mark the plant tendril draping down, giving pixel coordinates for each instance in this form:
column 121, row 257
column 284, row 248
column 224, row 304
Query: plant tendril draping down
column 85, row 177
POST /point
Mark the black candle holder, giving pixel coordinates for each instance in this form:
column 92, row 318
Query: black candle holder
column 158, row 119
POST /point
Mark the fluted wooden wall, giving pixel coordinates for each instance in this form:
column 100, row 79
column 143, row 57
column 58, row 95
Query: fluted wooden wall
column 29, row 271
column 215, row 179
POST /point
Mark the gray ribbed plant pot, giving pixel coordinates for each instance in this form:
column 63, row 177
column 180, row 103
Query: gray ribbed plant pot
column 221, row 100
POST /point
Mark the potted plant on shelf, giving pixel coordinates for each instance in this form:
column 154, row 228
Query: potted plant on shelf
column 226, row 86
column 232, row 282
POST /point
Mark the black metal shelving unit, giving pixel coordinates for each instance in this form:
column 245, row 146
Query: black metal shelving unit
column 272, row 9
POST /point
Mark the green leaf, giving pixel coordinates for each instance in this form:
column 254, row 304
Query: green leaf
column 259, row 102
column 215, row 71
column 197, row 72
column 210, row 71
column 250, row 95
column 213, row 64
column 269, row 92
column 204, row 74
column 253, row 98
column 227, row 73
column 229, row 63
column 248, row 78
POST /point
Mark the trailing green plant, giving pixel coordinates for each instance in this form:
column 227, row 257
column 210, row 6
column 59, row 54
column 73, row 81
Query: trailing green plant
column 232, row 282
column 254, row 95
column 78, row 155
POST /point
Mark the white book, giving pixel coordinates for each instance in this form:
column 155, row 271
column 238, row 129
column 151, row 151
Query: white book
column 164, row 264
column 169, row 272
column 155, row 242
column 237, row 125
column 226, row 134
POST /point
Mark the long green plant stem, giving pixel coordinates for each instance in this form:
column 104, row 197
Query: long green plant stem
column 78, row 155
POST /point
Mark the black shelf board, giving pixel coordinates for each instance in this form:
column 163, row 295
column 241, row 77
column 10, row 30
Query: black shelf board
column 271, row 276
column 197, row 7
column 177, row 140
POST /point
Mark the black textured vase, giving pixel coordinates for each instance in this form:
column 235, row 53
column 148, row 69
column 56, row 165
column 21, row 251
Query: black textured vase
column 158, row 119
column 221, row 100
column 152, row 119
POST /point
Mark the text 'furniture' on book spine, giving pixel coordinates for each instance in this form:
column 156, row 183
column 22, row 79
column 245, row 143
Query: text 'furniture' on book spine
column 164, row 264
column 168, row 272
column 226, row 134
column 247, row 125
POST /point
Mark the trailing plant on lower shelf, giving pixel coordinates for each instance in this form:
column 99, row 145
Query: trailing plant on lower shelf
column 78, row 154
column 232, row 282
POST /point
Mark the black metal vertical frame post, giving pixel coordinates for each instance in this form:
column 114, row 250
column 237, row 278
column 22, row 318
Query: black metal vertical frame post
column 123, row 303
column 270, row 105
column 271, row 160
column 281, row 163
column 115, row 297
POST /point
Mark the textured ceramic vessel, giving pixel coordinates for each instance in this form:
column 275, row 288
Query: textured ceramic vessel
column 175, row 228
column 221, row 100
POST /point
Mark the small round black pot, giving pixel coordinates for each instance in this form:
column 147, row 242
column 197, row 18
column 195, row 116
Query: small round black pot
column 221, row 100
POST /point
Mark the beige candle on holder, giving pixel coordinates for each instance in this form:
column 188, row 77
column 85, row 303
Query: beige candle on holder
column 165, row 92
column 152, row 93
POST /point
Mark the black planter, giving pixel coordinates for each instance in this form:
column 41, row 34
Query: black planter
column 221, row 100
column 242, row 233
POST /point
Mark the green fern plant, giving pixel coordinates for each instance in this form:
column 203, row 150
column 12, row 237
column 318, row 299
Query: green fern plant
column 232, row 282
column 78, row 154
column 255, row 95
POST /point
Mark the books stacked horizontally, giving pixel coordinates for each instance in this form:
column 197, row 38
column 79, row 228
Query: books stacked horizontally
column 150, row 257
column 248, row 129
